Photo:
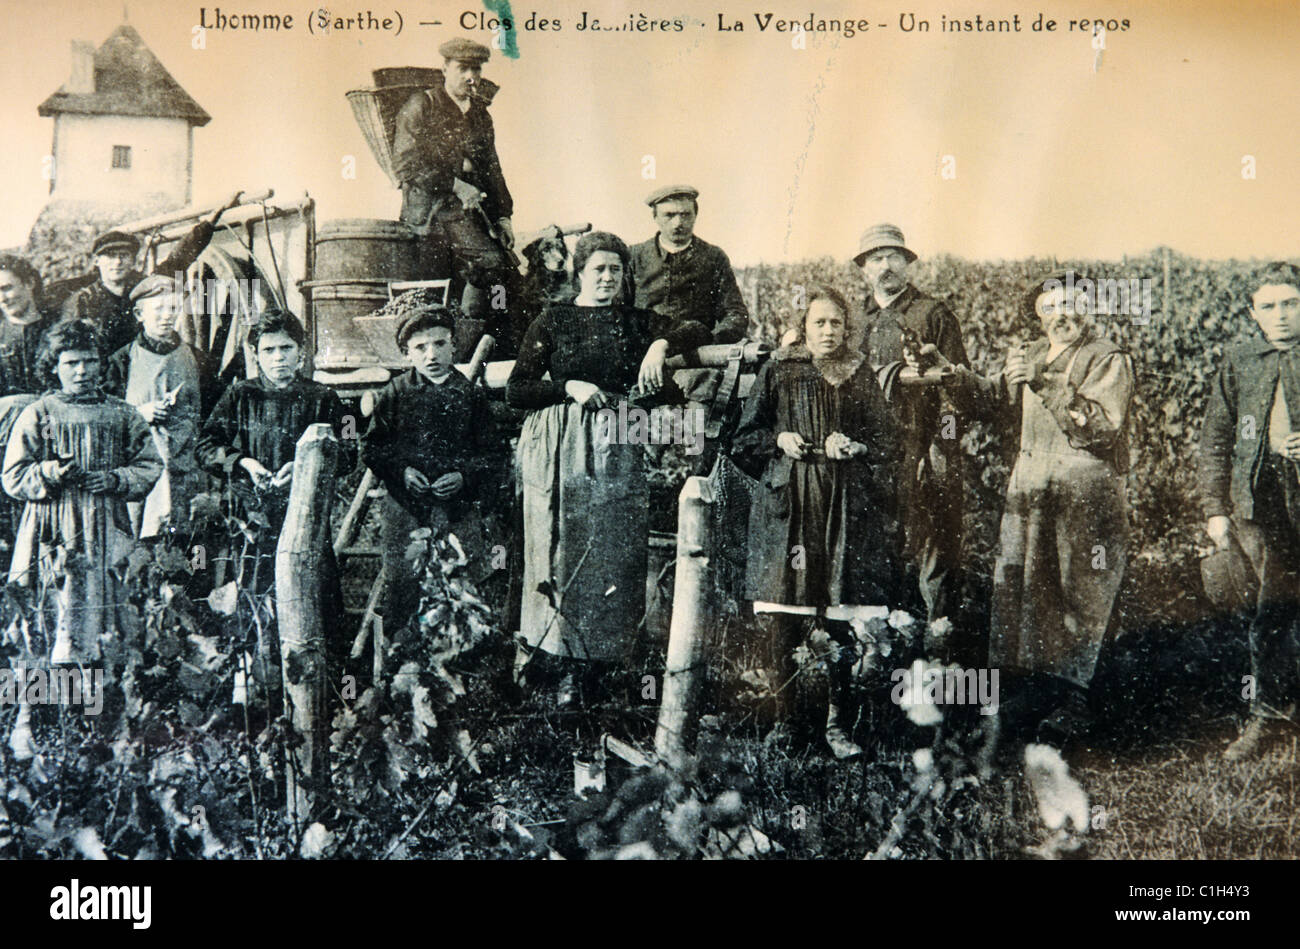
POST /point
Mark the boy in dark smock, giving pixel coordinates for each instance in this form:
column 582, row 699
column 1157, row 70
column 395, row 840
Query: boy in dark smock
column 427, row 444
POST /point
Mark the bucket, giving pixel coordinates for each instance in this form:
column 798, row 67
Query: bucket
column 366, row 249
column 340, row 344
column 589, row 773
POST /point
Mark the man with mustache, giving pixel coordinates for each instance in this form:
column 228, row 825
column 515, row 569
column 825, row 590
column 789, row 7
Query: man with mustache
column 1065, row 402
column 443, row 141
column 690, row 284
column 930, row 490
column 684, row 278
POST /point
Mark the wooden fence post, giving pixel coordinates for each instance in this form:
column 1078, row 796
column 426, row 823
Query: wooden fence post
column 299, row 561
column 692, row 609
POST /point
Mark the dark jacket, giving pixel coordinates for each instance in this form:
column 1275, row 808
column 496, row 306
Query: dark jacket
column 19, row 347
column 930, row 479
column 251, row 419
column 693, row 285
column 432, row 140
column 114, row 315
column 434, row 428
column 1234, row 435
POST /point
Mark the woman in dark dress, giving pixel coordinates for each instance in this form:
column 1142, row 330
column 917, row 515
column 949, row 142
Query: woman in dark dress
column 584, row 493
column 818, row 436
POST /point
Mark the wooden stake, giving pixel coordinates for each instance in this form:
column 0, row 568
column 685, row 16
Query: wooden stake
column 629, row 753
column 299, row 586
column 367, row 618
column 352, row 519
column 691, row 611
column 1166, row 311
column 845, row 612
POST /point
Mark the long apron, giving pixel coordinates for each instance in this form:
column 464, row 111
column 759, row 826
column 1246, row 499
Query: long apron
column 586, row 527
column 1063, row 549
column 68, row 548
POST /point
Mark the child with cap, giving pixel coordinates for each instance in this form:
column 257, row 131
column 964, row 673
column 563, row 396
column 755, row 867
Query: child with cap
column 426, row 443
column 160, row 375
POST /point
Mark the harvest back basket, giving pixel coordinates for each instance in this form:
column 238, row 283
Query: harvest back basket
column 376, row 109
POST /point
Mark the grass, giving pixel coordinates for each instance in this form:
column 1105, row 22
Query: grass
column 1153, row 768
column 1179, row 800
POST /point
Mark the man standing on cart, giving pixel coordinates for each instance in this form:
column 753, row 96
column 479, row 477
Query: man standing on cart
column 453, row 190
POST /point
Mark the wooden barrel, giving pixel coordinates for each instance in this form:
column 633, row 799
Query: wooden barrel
column 340, row 344
column 364, row 248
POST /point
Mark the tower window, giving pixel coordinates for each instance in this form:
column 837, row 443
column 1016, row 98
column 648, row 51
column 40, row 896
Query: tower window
column 121, row 156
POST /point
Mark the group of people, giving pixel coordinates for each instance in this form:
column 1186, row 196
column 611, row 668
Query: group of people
column 111, row 430
column 854, row 440
column 851, row 435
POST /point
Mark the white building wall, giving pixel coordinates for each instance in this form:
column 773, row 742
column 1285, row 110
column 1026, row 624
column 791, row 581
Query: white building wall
column 160, row 158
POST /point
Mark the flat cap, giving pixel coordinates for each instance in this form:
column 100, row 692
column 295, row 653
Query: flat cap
column 672, row 191
column 881, row 236
column 464, row 51
column 154, row 285
column 115, row 240
column 413, row 321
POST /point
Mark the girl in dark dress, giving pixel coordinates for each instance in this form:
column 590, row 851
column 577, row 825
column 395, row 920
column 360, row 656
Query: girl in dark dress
column 818, row 436
column 584, row 494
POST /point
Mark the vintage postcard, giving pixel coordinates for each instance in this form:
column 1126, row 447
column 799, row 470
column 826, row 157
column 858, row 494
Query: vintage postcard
column 576, row 430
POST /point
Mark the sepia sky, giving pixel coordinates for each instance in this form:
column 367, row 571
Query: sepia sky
column 795, row 151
